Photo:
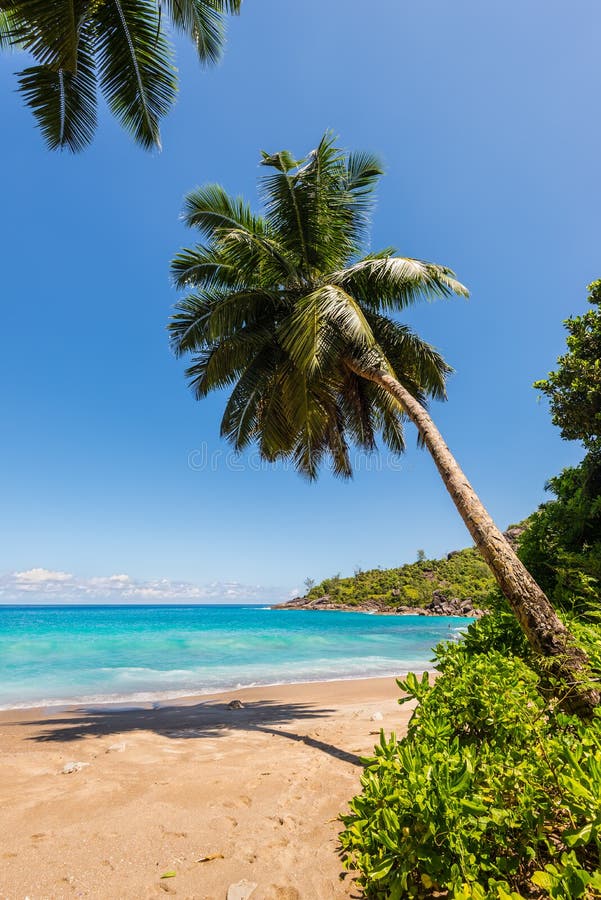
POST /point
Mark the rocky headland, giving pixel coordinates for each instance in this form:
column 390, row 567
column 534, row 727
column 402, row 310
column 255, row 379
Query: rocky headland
column 440, row 605
column 455, row 585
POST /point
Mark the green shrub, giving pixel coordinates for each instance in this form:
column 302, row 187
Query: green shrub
column 561, row 546
column 493, row 793
column 500, row 631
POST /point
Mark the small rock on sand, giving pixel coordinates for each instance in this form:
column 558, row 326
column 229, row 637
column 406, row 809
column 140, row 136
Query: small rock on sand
column 377, row 717
column 235, row 704
column 116, row 748
column 241, row 890
column 71, row 767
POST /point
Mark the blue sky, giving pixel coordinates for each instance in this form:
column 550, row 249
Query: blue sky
column 487, row 119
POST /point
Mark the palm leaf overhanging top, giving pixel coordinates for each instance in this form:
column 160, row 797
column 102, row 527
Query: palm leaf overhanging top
column 286, row 308
column 118, row 45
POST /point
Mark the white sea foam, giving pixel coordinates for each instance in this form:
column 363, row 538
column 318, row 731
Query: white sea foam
column 63, row 657
column 125, row 701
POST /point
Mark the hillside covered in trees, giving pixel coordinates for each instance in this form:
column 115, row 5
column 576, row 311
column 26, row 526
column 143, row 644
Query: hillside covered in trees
column 462, row 579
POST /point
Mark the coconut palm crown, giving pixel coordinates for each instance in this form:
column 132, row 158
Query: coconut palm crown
column 286, row 306
column 118, row 46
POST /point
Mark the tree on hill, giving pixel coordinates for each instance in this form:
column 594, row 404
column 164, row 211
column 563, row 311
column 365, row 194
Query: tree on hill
column 291, row 314
column 562, row 545
column 574, row 388
column 118, row 46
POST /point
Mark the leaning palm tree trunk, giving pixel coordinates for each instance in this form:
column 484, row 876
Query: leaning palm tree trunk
column 543, row 628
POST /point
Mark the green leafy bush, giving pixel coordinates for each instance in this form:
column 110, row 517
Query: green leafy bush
column 561, row 546
column 493, row 793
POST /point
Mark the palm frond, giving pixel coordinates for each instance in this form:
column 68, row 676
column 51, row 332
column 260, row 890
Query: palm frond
column 134, row 63
column 204, row 22
column 220, row 364
column 309, row 204
column 210, row 209
column 233, row 230
column 278, row 431
column 64, row 102
column 202, row 267
column 283, row 160
column 8, row 31
column 394, row 282
column 320, row 323
column 200, row 319
column 49, row 31
column 240, row 424
column 311, row 444
column 409, row 356
column 135, row 66
column 389, row 419
column 337, row 444
column 363, row 172
column 357, row 408
column 285, row 216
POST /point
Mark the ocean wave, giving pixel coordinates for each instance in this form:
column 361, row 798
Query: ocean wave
column 137, row 697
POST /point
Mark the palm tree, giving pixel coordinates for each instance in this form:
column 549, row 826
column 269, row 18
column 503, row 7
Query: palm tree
column 288, row 314
column 117, row 45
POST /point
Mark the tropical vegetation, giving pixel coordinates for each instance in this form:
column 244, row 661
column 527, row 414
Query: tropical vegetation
column 462, row 575
column 495, row 793
column 574, row 388
column 562, row 545
column 289, row 312
column 120, row 47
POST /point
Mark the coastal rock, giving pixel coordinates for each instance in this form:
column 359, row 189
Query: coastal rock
column 441, row 605
column 513, row 535
column 71, row 767
column 235, row 704
column 241, row 890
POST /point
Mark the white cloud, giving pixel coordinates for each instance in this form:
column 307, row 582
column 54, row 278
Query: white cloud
column 40, row 576
column 39, row 585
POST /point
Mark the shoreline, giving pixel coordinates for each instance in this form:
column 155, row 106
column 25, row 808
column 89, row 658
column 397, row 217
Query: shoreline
column 439, row 608
column 367, row 611
column 212, row 793
column 165, row 699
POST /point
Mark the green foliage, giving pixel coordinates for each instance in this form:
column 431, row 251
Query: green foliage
column 463, row 575
column 285, row 307
column 562, row 545
column 493, row 793
column 498, row 632
column 119, row 45
column 574, row 388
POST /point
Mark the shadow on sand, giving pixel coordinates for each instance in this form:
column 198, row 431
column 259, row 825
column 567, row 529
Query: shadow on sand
column 190, row 722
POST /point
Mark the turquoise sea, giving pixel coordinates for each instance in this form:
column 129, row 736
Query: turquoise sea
column 51, row 655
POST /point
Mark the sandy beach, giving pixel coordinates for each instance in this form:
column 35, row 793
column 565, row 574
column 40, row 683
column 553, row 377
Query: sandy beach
column 157, row 788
